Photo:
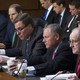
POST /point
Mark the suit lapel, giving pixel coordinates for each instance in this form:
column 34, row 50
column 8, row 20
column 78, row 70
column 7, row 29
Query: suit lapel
column 32, row 41
column 51, row 16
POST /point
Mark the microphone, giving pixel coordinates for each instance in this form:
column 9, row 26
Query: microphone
column 20, row 67
column 60, row 72
column 16, row 74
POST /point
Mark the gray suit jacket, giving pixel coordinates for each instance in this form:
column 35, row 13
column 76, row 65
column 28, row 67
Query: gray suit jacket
column 35, row 46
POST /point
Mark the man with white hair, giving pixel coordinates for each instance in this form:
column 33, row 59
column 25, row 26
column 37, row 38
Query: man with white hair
column 75, row 45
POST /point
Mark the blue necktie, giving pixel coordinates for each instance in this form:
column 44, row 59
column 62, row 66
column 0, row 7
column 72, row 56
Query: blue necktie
column 45, row 14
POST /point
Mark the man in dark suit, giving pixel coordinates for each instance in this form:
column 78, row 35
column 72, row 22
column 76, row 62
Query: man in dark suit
column 59, row 6
column 14, row 11
column 60, row 59
column 49, row 15
column 72, row 20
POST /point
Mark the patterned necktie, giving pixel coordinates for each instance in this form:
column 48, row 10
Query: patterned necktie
column 45, row 14
column 73, row 18
column 78, row 68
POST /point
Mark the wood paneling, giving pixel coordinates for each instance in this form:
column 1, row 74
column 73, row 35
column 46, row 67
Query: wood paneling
column 26, row 4
column 33, row 7
column 30, row 6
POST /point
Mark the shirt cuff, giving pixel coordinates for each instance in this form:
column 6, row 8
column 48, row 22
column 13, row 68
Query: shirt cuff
column 31, row 70
column 2, row 51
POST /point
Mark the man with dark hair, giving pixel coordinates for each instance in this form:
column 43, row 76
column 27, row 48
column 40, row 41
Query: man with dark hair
column 59, row 7
column 49, row 15
column 72, row 20
column 31, row 36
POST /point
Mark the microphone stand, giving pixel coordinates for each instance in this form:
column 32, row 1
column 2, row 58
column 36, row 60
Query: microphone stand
column 60, row 72
column 16, row 75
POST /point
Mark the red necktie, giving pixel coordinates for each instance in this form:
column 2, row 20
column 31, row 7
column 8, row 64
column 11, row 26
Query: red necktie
column 78, row 68
column 53, row 55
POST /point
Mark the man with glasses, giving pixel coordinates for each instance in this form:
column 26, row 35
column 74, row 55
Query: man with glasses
column 75, row 45
column 31, row 37
column 72, row 20
column 60, row 59
column 59, row 6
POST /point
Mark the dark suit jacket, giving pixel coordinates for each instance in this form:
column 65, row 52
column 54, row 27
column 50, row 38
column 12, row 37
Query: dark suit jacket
column 3, row 27
column 9, row 34
column 64, row 19
column 72, row 26
column 51, row 17
column 36, row 46
column 63, row 60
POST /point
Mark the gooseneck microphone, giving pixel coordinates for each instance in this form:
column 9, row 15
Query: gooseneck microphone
column 60, row 72
column 16, row 74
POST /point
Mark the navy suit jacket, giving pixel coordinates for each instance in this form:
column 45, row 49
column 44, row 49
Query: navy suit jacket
column 63, row 60
column 9, row 34
column 3, row 27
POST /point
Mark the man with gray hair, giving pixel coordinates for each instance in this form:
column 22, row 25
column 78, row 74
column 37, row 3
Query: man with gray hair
column 60, row 59
column 75, row 45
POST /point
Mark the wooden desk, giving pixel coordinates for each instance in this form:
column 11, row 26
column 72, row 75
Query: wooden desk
column 5, row 76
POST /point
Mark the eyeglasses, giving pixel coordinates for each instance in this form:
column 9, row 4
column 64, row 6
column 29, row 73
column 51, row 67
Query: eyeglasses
column 74, row 42
column 19, row 30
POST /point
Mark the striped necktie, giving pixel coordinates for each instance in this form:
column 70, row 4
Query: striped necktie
column 13, row 38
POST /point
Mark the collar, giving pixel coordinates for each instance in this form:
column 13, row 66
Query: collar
column 62, row 13
column 49, row 9
column 57, row 47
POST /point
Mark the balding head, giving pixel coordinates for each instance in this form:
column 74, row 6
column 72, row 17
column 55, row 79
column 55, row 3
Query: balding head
column 76, row 32
column 75, row 40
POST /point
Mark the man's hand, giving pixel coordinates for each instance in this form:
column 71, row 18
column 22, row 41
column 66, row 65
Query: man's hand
column 2, row 46
column 73, row 78
column 12, row 65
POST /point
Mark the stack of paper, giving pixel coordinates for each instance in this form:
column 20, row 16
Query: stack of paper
column 60, row 76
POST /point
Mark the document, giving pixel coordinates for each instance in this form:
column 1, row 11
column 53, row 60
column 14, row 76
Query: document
column 60, row 76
